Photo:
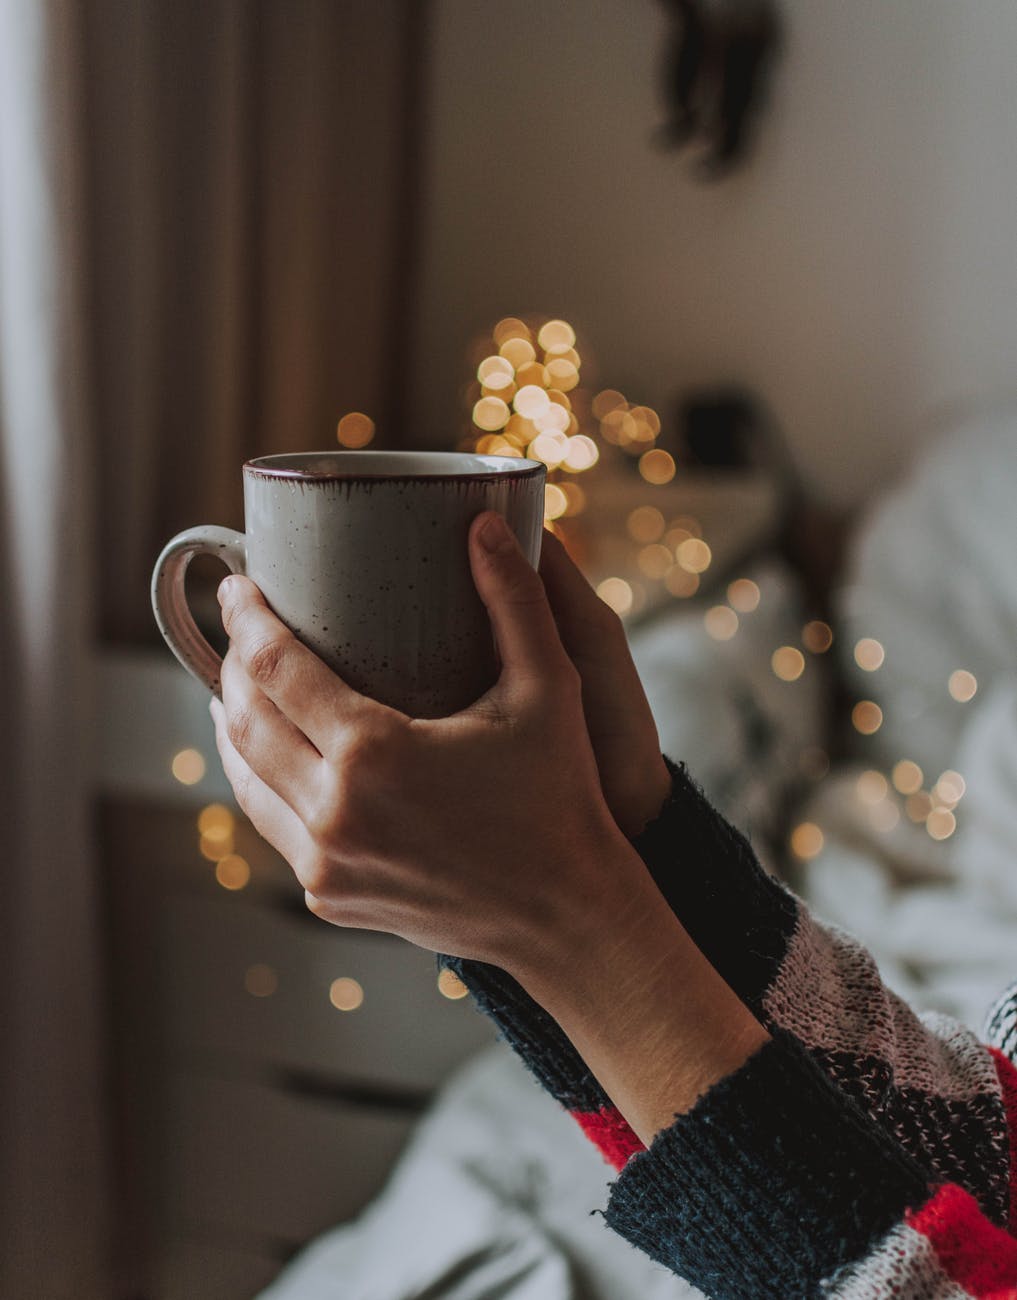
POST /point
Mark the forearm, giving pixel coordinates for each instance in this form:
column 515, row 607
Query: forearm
column 643, row 1008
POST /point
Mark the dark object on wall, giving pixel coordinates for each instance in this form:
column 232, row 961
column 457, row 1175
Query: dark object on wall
column 717, row 71
column 729, row 428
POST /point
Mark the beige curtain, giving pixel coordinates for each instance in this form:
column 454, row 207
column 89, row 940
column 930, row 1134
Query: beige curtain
column 252, row 173
column 206, row 235
column 53, row 1200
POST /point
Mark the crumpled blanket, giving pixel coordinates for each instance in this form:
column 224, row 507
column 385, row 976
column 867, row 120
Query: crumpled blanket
column 494, row 1199
column 932, row 578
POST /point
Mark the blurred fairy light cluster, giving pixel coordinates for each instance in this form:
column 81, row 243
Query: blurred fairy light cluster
column 527, row 399
column 906, row 793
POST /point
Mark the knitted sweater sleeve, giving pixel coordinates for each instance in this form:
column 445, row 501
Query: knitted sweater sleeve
column 925, row 1088
column 776, row 1184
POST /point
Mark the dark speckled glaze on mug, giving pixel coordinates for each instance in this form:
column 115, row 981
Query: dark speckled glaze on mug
column 363, row 555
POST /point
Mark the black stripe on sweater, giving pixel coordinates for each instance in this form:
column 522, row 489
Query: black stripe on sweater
column 738, row 915
column 964, row 1142
column 772, row 1182
column 532, row 1033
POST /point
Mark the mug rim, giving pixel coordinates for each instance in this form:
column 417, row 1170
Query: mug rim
column 501, row 467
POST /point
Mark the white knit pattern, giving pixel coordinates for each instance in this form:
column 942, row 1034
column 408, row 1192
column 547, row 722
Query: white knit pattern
column 903, row 1265
column 1001, row 1023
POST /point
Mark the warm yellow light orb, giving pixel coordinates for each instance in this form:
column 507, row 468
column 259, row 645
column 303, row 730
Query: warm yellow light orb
column 531, row 401
column 657, row 466
column 451, row 986
column 869, row 654
column 817, row 637
column 962, row 685
column 908, row 776
column 872, row 786
column 617, row 593
column 188, row 766
column 495, row 366
column 950, row 788
column 556, row 336
column 787, row 663
column 618, row 428
column 721, row 622
column 680, row 582
column 517, row 351
column 217, row 848
column 807, row 841
column 743, row 595
column 941, row 823
column 582, row 452
column 552, row 419
column 215, row 821
column 499, row 385
column 355, row 430
column 551, row 448
column 532, row 373
column 510, row 327
column 562, row 374
column 491, row 413
column 694, row 555
column 918, row 806
column 556, row 503
column 232, row 872
column 655, row 560
column 647, row 418
column 345, row 994
column 867, row 717
column 645, row 524
column 606, row 401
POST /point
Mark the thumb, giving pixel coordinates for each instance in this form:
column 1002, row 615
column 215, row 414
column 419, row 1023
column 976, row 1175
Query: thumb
column 512, row 591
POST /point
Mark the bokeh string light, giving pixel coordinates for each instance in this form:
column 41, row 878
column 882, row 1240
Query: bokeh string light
column 528, row 400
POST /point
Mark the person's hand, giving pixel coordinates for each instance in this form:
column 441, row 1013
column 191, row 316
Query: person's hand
column 485, row 834
column 633, row 775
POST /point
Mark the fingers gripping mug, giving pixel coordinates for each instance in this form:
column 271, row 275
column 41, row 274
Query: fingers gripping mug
column 363, row 555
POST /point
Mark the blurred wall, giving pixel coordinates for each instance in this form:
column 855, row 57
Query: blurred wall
column 859, row 274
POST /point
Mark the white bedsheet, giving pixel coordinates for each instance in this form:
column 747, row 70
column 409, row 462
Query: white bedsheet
column 493, row 1200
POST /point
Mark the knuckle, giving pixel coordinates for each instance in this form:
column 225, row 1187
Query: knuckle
column 374, row 749
column 524, row 587
column 325, row 823
column 239, row 728
column 265, row 658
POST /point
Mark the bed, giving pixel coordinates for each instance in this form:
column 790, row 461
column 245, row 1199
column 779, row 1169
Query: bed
column 497, row 1194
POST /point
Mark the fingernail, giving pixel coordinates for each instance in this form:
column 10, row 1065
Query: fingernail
column 225, row 591
column 495, row 536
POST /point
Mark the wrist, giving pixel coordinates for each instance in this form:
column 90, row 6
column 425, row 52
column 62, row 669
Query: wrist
column 653, row 1020
column 637, row 798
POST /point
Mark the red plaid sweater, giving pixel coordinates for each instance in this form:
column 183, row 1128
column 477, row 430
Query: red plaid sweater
column 864, row 1152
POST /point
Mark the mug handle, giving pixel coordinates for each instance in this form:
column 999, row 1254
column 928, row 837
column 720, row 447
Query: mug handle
column 169, row 598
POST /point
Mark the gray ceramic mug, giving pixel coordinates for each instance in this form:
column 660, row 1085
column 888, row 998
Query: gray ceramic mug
column 363, row 555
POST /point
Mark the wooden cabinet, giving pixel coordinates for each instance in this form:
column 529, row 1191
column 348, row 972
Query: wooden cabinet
column 251, row 1112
